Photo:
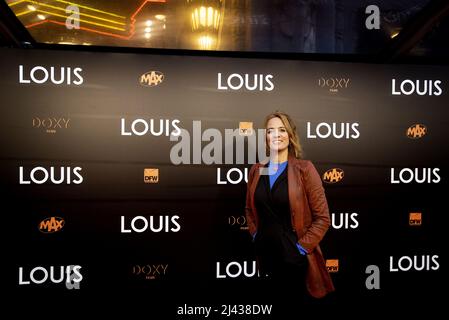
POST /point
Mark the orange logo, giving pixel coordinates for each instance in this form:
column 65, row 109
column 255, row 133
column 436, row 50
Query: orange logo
column 51, row 225
column 416, row 131
column 332, row 265
column 415, row 219
column 151, row 78
column 151, row 175
column 245, row 128
column 333, row 175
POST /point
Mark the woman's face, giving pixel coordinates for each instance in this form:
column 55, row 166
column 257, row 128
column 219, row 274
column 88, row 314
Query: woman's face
column 277, row 136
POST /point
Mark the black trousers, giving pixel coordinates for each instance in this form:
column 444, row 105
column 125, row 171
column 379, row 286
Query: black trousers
column 281, row 266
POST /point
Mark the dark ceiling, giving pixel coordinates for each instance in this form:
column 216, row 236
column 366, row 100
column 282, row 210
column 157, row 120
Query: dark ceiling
column 407, row 28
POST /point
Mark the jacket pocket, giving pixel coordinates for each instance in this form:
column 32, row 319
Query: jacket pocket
column 291, row 251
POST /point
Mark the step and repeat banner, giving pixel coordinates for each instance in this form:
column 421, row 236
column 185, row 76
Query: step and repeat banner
column 127, row 172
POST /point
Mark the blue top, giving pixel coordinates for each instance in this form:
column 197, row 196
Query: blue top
column 275, row 170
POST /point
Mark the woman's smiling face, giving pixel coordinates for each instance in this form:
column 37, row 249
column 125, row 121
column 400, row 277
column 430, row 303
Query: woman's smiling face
column 277, row 136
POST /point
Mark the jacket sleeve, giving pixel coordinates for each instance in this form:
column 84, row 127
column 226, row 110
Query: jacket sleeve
column 250, row 215
column 319, row 209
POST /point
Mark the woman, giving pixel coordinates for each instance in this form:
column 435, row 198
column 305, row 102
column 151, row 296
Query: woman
column 287, row 212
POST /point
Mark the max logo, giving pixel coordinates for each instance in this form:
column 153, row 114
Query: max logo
column 151, row 78
column 51, row 224
column 333, row 175
column 416, row 131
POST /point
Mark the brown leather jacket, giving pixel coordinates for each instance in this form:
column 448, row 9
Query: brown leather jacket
column 310, row 217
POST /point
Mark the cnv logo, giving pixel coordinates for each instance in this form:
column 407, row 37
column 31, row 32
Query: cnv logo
column 333, row 175
column 416, row 131
column 51, row 224
column 151, row 78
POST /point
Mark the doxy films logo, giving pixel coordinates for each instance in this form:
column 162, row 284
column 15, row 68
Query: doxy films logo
column 150, row 271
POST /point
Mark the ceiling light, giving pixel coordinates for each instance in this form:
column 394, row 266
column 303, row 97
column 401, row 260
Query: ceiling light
column 147, row 30
column 206, row 42
column 41, row 16
column 205, row 18
column 394, row 34
column 30, row 7
column 149, row 23
column 160, row 17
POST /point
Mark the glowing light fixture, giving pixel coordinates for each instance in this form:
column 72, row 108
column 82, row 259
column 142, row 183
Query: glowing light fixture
column 147, row 30
column 206, row 18
column 206, row 42
column 160, row 17
column 149, row 23
column 41, row 17
column 394, row 34
column 51, row 17
column 49, row 10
